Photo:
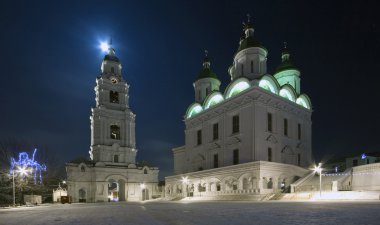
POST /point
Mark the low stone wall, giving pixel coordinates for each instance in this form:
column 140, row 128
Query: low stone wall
column 366, row 177
column 250, row 181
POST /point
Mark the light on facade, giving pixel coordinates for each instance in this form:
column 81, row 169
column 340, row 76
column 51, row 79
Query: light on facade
column 142, row 186
column 185, row 180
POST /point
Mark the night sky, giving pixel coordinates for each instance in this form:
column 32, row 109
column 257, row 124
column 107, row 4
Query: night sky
column 50, row 59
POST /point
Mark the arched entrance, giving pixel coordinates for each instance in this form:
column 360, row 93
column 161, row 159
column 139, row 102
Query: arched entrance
column 145, row 194
column 82, row 195
column 116, row 188
column 113, row 191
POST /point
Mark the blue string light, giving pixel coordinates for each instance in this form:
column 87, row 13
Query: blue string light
column 26, row 164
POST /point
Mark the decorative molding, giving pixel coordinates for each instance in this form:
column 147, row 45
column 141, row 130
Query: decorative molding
column 271, row 138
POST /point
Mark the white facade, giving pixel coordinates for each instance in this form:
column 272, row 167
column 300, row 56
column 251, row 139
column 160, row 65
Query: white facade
column 256, row 120
column 112, row 173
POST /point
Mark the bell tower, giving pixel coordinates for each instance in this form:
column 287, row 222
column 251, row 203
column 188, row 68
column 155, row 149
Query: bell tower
column 112, row 121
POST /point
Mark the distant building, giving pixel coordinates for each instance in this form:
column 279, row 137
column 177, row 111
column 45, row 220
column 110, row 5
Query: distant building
column 252, row 139
column 112, row 173
column 341, row 164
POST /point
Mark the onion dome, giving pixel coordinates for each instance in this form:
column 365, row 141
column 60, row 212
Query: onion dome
column 286, row 64
column 111, row 56
column 206, row 72
column 247, row 40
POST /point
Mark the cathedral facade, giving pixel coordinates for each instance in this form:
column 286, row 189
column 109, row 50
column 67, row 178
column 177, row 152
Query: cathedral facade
column 249, row 141
column 112, row 174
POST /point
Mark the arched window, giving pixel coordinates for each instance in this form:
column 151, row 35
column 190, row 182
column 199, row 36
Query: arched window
column 115, row 132
column 82, row 169
column 145, row 171
column 114, row 97
column 116, row 158
column 112, row 70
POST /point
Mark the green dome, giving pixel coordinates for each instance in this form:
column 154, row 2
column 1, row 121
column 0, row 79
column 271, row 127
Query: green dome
column 111, row 58
column 285, row 65
column 206, row 73
column 250, row 42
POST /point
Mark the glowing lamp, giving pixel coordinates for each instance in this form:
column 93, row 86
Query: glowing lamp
column 22, row 171
column 185, row 180
column 318, row 169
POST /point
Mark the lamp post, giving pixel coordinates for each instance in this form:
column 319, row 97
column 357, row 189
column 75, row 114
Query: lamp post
column 14, row 195
column 23, row 171
column 318, row 169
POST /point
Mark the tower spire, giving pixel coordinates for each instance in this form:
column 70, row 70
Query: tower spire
column 206, row 61
column 285, row 52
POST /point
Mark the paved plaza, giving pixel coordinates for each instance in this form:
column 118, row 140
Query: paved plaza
column 197, row 213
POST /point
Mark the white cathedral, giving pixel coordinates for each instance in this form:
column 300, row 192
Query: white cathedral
column 253, row 139
column 112, row 173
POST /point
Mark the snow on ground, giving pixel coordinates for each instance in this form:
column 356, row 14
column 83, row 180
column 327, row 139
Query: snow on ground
column 198, row 213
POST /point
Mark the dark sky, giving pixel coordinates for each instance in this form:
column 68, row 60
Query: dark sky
column 50, row 58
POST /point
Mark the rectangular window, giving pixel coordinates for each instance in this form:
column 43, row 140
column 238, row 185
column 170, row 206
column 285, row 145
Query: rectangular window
column 270, row 154
column 215, row 131
column 235, row 124
column 236, row 157
column 299, row 131
column 115, row 158
column 269, row 122
column 114, row 97
column 115, row 132
column 355, row 162
column 216, row 161
column 199, row 137
column 299, row 159
column 286, row 127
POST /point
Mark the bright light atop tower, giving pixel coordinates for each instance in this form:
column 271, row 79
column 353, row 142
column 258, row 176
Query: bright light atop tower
column 104, row 46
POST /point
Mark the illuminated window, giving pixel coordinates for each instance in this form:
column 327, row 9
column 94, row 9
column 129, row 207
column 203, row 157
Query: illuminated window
column 269, row 118
column 199, row 137
column 215, row 131
column 115, row 132
column 235, row 124
column 237, row 87
column 194, row 109
column 236, row 156
column 270, row 154
column 286, row 127
column 213, row 99
column 216, row 161
column 115, row 158
column 114, row 97
column 287, row 93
